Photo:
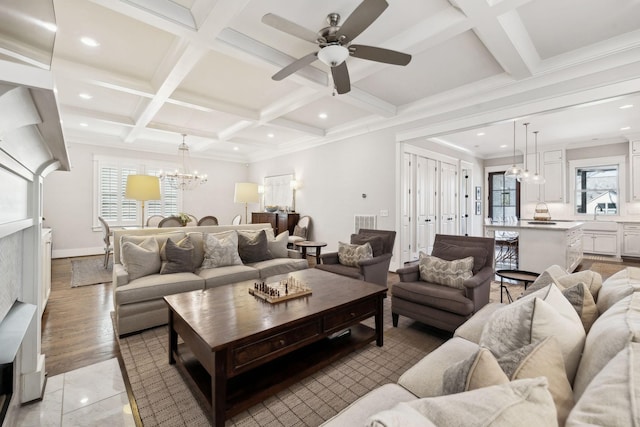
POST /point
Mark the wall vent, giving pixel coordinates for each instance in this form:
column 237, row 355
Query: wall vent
column 365, row 221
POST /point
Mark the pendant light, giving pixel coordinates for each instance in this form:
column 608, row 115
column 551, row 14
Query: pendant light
column 537, row 178
column 525, row 176
column 513, row 171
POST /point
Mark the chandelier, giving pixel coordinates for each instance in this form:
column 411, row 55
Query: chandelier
column 183, row 179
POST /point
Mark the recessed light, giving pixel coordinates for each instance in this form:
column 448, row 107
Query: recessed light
column 626, row 106
column 270, row 135
column 626, row 128
column 236, row 148
column 504, row 146
column 89, row 42
column 323, row 115
column 480, row 134
column 85, row 96
column 84, row 125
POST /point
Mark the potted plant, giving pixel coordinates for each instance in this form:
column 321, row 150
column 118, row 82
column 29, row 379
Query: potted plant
column 184, row 218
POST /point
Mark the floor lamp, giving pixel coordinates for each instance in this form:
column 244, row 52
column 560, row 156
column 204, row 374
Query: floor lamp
column 142, row 188
column 246, row 192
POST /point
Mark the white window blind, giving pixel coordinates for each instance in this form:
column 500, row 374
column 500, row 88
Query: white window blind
column 111, row 204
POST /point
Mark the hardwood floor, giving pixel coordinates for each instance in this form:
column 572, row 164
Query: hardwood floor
column 77, row 330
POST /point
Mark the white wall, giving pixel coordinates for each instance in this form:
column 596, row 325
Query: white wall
column 333, row 178
column 68, row 197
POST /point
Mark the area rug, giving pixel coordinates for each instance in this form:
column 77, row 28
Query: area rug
column 90, row 271
column 164, row 399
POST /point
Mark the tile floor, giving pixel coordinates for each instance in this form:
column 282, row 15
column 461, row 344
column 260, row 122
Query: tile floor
column 89, row 396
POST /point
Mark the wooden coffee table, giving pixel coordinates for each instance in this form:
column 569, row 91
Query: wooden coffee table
column 239, row 349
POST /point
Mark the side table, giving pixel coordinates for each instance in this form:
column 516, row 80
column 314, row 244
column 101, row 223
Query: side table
column 527, row 277
column 310, row 244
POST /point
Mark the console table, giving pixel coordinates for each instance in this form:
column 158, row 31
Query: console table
column 280, row 221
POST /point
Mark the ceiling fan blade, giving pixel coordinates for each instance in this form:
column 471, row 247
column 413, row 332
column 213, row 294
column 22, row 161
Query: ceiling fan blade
column 379, row 54
column 295, row 66
column 363, row 16
column 284, row 25
column 341, row 78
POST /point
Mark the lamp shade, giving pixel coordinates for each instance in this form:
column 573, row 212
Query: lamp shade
column 333, row 55
column 246, row 192
column 142, row 187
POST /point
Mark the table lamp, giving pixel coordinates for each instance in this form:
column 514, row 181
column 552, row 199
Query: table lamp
column 142, row 188
column 246, row 192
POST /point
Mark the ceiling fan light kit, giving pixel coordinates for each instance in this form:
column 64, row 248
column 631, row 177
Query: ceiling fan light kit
column 335, row 43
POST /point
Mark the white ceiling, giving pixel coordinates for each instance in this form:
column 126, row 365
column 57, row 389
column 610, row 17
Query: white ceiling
column 204, row 67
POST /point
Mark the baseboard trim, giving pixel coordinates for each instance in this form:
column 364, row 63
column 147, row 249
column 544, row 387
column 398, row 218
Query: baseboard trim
column 70, row 253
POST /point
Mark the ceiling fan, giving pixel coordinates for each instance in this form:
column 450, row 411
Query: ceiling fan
column 335, row 43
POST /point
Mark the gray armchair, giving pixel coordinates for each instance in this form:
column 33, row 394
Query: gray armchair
column 442, row 306
column 374, row 270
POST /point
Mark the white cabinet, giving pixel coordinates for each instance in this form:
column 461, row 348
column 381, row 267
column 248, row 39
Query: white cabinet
column 631, row 240
column 532, row 192
column 634, row 155
column 45, row 286
column 553, row 172
column 600, row 242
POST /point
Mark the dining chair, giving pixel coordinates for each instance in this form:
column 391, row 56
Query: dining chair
column 154, row 220
column 170, row 221
column 208, row 220
column 106, row 238
column 237, row 220
column 194, row 220
column 301, row 231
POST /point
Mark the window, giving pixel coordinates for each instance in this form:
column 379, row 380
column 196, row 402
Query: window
column 504, row 197
column 111, row 204
column 596, row 190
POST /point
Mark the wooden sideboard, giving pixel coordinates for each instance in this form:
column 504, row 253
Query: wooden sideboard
column 280, row 221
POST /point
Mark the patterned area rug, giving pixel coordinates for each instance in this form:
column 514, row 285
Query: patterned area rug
column 163, row 397
column 90, row 271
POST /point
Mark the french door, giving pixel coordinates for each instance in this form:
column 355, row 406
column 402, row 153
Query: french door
column 504, row 197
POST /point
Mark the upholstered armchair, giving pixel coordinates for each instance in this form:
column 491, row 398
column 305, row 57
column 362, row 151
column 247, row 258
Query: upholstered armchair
column 445, row 306
column 372, row 270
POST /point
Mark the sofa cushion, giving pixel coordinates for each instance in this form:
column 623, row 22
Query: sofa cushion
column 613, row 397
column 527, row 401
column 141, row 259
column 272, row 267
column 160, row 238
column 591, row 279
column 350, row 255
column 533, row 318
column 376, row 242
column 443, row 298
column 156, row 286
column 479, row 370
column 356, row 414
column 449, row 252
column 253, row 247
column 227, row 274
column 343, row 270
column 425, row 378
column 443, row 272
column 582, row 301
column 615, row 288
column 472, row 329
column 609, row 334
column 542, row 359
column 546, row 278
column 179, row 256
column 221, row 249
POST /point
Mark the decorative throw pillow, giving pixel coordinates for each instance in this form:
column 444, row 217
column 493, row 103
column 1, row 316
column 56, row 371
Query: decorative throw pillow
column 278, row 246
column 220, row 250
column 197, row 240
column 612, row 396
column 591, row 279
column 446, row 273
column 542, row 359
column 142, row 259
column 609, row 334
column 160, row 238
column 531, row 319
column 479, row 370
column 546, row 278
column 253, row 247
column 451, row 252
column 179, row 257
column 376, row 242
column 582, row 301
column 300, row 232
column 527, row 401
column 352, row 254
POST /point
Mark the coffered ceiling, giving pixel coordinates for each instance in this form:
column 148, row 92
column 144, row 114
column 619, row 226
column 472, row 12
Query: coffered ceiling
column 203, row 67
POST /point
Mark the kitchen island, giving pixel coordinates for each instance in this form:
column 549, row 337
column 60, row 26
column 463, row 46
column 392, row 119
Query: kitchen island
column 544, row 243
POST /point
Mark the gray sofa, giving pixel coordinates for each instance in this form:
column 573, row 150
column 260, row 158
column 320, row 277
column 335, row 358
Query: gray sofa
column 586, row 378
column 139, row 303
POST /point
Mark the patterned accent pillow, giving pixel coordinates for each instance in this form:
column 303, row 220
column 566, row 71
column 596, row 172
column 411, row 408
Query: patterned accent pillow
column 352, row 254
column 300, row 232
column 446, row 273
column 179, row 256
column 220, row 250
column 479, row 370
column 141, row 259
